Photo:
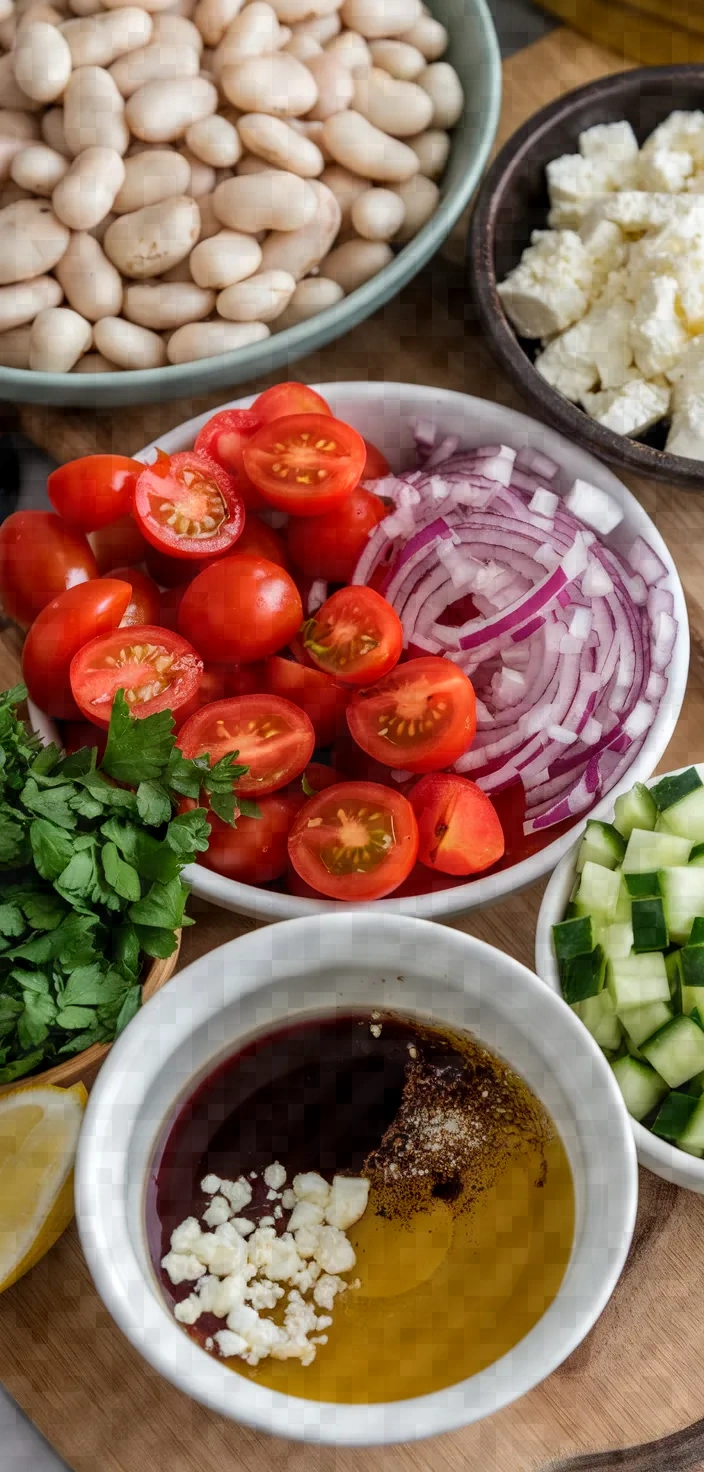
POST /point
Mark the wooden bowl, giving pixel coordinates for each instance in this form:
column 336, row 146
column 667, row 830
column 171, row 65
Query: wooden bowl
column 513, row 201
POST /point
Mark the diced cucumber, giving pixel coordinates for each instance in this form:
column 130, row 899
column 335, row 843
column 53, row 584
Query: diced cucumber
column 641, row 1086
column 683, row 899
column 642, row 886
column 598, row 892
column 692, row 1137
column 692, row 957
column 616, row 940
column 622, row 914
column 635, row 809
column 686, row 818
column 674, row 1116
column 676, row 1051
column 649, row 927
column 672, row 790
column 641, row 1022
column 692, row 996
column 697, row 933
column 673, row 967
column 583, row 976
column 602, row 844
column 652, row 851
column 573, row 937
column 697, row 854
column 696, row 1085
column 597, row 1014
column 634, row 981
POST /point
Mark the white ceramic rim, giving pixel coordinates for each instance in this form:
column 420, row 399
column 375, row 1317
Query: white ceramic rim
column 655, row 1154
column 264, row 904
column 103, row 1212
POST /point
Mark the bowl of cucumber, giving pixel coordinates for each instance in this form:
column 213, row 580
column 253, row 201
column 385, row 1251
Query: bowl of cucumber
column 620, row 936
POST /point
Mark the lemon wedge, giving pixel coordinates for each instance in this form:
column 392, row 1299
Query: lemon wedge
column 39, row 1129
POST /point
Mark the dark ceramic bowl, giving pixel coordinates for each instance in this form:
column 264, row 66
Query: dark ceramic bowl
column 513, row 201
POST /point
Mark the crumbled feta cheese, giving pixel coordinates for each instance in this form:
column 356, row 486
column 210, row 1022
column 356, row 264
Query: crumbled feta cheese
column 186, row 1236
column 665, row 170
column 182, row 1267
column 272, row 1195
column 631, row 409
column 263, row 1294
column 612, row 143
column 189, row 1310
column 549, row 288
column 267, row 1221
column 305, row 1214
column 262, row 1336
column 218, row 1212
column 210, row 1184
column 242, row 1225
column 348, row 1201
column 310, row 1186
column 333, row 1251
column 278, row 1213
column 219, row 1296
column 229, row 1344
column 238, row 1193
column 306, row 1241
column 275, row 1176
column 680, row 132
column 288, row 1199
column 307, row 1276
column 658, row 336
column 222, row 1251
column 686, row 435
column 327, row 1289
column 567, row 363
column 605, row 245
column 274, row 1257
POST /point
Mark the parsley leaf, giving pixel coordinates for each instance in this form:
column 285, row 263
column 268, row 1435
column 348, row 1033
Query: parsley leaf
column 129, row 1009
column 137, row 750
column 189, row 833
column 44, row 909
column 21, row 1066
column 91, row 986
column 33, row 1023
column 162, row 905
column 248, row 808
column 12, row 921
column 12, row 836
column 120, row 875
column 156, row 941
column 52, row 803
column 74, row 1017
column 153, row 858
column 153, row 803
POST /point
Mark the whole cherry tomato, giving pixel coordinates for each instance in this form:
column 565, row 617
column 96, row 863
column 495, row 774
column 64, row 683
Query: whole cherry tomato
column 376, row 465
column 329, row 546
column 260, row 540
column 92, row 492
column 241, row 608
column 40, row 557
column 288, row 398
column 120, row 544
column 62, row 628
column 255, row 851
column 144, row 606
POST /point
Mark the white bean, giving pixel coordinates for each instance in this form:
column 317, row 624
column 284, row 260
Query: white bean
column 32, row 240
column 98, row 40
column 276, row 84
column 351, row 49
column 303, row 47
column 22, row 303
column 355, row 262
column 160, row 61
column 262, row 298
column 209, row 223
column 444, row 88
column 359, row 146
column 94, row 112
column 151, row 240
column 346, row 188
column 335, row 86
column 18, row 125
column 93, row 363
column 215, row 141
column 399, row 108
column 293, row 12
column 432, row 149
column 156, row 174
column 40, row 11
column 11, row 94
column 254, row 33
column 38, row 169
column 273, row 201
column 85, row 194
column 380, row 18
column 92, row 285
column 128, row 345
column 210, row 339
column 150, row 5
column 377, row 214
column 175, row 30
column 14, row 347
column 10, row 149
column 42, row 61
column 52, row 130
column 202, row 180
column 213, row 17
column 420, row 200
column 311, row 296
column 398, row 59
column 224, row 258
column 428, row 35
column 162, row 111
column 322, row 28
column 299, row 251
column 59, row 337
column 280, row 144
column 166, row 306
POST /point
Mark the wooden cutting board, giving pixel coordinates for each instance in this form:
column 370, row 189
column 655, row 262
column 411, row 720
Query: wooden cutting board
column 637, row 1378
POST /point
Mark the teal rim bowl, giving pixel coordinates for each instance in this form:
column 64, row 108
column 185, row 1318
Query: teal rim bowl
column 474, row 52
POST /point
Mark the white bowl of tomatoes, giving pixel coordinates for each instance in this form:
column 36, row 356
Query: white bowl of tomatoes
column 291, row 602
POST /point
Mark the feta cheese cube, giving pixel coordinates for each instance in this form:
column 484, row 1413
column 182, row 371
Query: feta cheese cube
column 550, row 287
column 189, row 1310
column 658, row 336
column 267, row 1221
column 210, row 1184
column 575, row 182
column 305, row 1214
column 327, row 1289
column 242, row 1225
column 275, row 1176
column 604, row 243
column 680, row 132
column 182, row 1267
column 309, row 1186
column 690, row 366
column 230, row 1345
column 238, row 1193
column 187, row 1236
column 348, row 1201
column 218, row 1212
column 665, row 170
column 631, row 409
column 686, row 435
column 333, row 1251
column 614, row 145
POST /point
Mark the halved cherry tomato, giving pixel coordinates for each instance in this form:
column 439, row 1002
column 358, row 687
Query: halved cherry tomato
column 260, row 540
column 241, row 608
column 223, row 439
column 376, row 465
column 355, row 841
column 316, row 778
column 322, row 699
column 273, row 737
column 92, row 492
column 77, row 734
column 305, row 464
column 458, row 826
column 40, row 557
column 356, row 636
column 60, row 630
column 420, row 718
column 288, row 398
column 188, row 507
column 144, row 606
column 330, row 546
column 255, row 851
column 156, row 669
column 120, row 544
column 213, row 686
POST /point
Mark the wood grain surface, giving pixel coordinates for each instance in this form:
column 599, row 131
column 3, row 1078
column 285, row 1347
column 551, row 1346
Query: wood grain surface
column 637, row 1378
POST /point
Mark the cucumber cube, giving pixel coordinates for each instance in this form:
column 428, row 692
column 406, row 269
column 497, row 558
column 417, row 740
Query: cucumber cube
column 692, row 957
column 683, row 899
column 676, row 1051
column 634, row 981
column 573, row 938
column 598, row 892
column 692, row 997
column 602, row 844
column 635, row 809
column 697, row 854
column 692, row 1137
column 686, row 818
column 673, row 967
column 642, row 886
column 649, row 928
column 617, row 940
column 584, row 976
column 697, row 933
column 647, row 852
column 671, row 790
column 597, row 1014
column 641, row 1086
column 622, row 914
column 674, row 1116
column 641, row 1022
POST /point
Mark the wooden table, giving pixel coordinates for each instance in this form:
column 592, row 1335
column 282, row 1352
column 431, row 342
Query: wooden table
column 637, row 1377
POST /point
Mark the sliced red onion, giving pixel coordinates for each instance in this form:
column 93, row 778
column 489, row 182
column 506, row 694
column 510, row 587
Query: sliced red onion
column 544, row 503
column 530, row 459
column 646, row 562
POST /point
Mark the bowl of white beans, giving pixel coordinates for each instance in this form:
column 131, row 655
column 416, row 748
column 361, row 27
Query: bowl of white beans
column 193, row 194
